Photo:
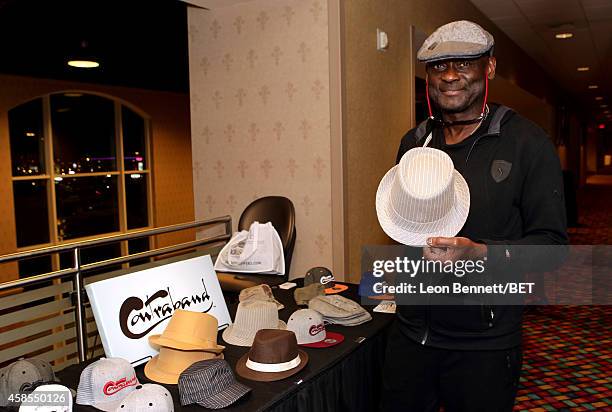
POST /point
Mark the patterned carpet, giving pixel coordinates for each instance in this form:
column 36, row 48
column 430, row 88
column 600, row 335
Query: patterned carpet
column 567, row 364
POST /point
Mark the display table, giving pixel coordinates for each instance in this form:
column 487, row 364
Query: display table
column 345, row 377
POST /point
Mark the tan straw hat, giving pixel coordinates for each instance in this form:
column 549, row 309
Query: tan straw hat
column 189, row 331
column 170, row 363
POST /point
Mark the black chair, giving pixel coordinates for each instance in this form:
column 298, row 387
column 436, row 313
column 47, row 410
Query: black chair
column 280, row 211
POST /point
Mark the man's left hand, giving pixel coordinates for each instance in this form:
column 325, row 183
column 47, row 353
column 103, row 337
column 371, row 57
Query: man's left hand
column 453, row 249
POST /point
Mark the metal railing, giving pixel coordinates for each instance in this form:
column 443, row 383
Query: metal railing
column 76, row 272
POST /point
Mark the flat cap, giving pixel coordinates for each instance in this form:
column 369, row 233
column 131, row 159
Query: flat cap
column 458, row 39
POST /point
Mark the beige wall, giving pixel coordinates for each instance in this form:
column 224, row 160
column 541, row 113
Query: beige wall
column 171, row 149
column 378, row 105
column 260, row 115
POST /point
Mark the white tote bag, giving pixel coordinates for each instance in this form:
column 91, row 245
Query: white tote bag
column 258, row 250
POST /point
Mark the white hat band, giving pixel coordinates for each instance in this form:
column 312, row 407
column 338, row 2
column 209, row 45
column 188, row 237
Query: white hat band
column 273, row 367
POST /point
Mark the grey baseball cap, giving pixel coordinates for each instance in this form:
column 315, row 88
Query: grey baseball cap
column 458, row 39
column 22, row 376
column 105, row 383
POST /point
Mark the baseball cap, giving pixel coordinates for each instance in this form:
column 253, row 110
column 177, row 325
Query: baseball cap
column 457, row 39
column 368, row 287
column 61, row 399
column 309, row 329
column 149, row 397
column 21, row 376
column 105, row 383
column 325, row 277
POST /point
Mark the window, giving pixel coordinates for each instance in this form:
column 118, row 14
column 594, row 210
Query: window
column 81, row 169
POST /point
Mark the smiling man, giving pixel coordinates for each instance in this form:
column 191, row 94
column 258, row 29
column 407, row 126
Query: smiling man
column 468, row 358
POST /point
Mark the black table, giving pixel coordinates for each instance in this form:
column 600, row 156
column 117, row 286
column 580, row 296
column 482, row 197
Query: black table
column 345, row 377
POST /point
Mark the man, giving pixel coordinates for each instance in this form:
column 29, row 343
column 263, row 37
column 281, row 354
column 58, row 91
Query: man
column 468, row 358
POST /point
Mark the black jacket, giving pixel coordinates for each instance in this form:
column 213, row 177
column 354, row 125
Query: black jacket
column 516, row 201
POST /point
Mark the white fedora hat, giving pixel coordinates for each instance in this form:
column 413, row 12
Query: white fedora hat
column 421, row 197
column 252, row 316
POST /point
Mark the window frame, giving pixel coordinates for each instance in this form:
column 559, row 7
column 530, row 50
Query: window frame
column 120, row 172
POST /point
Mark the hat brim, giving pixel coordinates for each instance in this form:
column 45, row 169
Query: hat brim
column 154, row 373
column 160, row 340
column 416, row 234
column 230, row 337
column 337, row 288
column 242, row 370
column 331, row 339
column 226, row 397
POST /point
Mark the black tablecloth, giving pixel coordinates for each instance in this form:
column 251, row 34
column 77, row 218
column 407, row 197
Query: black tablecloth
column 345, row 377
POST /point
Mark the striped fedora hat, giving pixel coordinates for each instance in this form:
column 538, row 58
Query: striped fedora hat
column 421, row 197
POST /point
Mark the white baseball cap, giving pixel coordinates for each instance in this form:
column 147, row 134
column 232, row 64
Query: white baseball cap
column 105, row 383
column 149, row 397
column 59, row 399
column 309, row 329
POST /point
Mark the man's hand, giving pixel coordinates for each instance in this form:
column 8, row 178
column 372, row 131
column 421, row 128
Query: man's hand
column 453, row 249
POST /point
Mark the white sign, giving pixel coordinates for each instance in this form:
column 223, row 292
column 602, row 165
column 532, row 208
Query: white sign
column 131, row 307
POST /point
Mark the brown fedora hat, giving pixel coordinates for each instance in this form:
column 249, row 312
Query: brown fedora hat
column 273, row 356
column 170, row 363
column 189, row 330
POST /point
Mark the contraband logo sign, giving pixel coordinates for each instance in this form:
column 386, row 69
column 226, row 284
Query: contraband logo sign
column 131, row 307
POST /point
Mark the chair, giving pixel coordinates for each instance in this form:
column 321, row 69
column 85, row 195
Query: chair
column 280, row 211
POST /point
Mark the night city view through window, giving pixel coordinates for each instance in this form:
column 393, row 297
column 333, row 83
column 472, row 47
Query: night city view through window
column 70, row 180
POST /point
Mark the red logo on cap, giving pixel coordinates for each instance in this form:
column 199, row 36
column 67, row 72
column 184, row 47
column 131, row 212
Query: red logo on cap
column 110, row 388
column 316, row 329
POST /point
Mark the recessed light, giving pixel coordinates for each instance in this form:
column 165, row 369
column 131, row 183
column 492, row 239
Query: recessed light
column 583, row 68
column 593, row 86
column 603, row 106
column 606, row 111
column 599, row 98
column 83, row 64
column 564, row 35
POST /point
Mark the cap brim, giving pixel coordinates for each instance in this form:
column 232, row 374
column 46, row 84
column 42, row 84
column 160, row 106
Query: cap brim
column 416, row 234
column 225, row 398
column 229, row 336
column 109, row 406
column 337, row 288
column 242, row 370
column 331, row 339
column 160, row 340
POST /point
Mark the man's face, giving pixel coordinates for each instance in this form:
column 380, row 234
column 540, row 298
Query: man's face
column 457, row 85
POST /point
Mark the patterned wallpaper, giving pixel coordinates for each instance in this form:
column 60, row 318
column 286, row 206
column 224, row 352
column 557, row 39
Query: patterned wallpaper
column 260, row 115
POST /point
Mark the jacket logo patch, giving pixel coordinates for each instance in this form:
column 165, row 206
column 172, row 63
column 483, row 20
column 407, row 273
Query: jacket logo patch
column 500, row 170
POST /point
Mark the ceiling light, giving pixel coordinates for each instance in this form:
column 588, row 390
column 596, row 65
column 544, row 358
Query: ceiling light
column 83, row 58
column 599, row 98
column 606, row 111
column 603, row 106
column 564, row 35
column 593, row 86
column 583, row 68
column 83, row 64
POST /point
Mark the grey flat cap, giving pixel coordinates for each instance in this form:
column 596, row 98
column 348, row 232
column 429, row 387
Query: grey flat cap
column 458, row 39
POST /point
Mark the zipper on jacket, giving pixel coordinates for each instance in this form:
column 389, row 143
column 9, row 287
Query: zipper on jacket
column 426, row 335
